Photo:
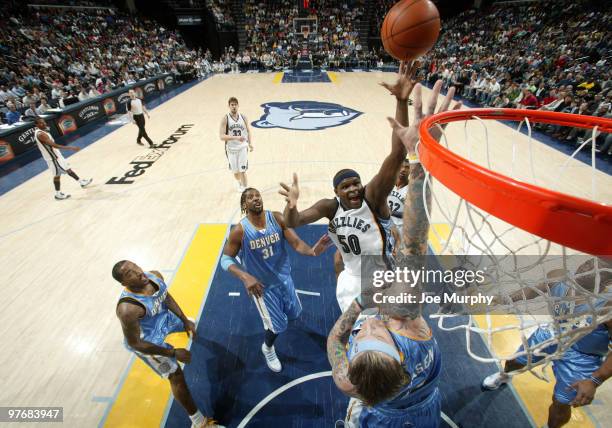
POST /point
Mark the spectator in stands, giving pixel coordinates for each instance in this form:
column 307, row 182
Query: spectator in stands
column 92, row 92
column 529, row 101
column 56, row 92
column 43, row 107
column 28, row 98
column 491, row 92
column 83, row 95
column 12, row 116
column 5, row 94
column 31, row 111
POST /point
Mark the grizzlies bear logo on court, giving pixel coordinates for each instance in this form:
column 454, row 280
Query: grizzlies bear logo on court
column 305, row 115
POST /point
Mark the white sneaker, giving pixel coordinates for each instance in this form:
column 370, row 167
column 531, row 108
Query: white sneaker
column 60, row 196
column 207, row 423
column 271, row 359
column 494, row 381
column 85, row 182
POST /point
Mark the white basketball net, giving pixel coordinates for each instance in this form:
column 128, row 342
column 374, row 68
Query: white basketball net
column 469, row 230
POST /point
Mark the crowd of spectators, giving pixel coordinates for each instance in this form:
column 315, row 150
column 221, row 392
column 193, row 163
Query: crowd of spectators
column 221, row 11
column 381, row 7
column 273, row 40
column 56, row 57
column 549, row 55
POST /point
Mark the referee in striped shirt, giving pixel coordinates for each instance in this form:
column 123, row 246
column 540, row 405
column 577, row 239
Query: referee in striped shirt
column 136, row 110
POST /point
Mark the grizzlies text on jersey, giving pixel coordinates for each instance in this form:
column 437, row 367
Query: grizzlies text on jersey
column 236, row 128
column 358, row 232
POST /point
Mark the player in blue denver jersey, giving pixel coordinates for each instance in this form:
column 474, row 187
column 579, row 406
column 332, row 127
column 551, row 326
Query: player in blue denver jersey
column 148, row 314
column 389, row 363
column 388, row 359
column 261, row 238
column 587, row 363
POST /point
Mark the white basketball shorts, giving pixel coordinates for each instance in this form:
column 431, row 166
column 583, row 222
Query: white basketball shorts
column 57, row 165
column 238, row 161
column 347, row 289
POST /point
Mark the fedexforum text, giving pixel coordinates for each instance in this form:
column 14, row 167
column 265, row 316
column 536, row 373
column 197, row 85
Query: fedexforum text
column 412, row 277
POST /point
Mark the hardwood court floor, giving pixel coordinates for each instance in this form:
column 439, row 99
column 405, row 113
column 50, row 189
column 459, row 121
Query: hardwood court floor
column 62, row 344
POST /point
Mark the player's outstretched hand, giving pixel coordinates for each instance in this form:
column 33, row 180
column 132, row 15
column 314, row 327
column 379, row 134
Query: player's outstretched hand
column 585, row 392
column 406, row 81
column 291, row 193
column 73, row 148
column 410, row 135
column 190, row 328
column 253, row 286
column 322, row 244
column 182, row 355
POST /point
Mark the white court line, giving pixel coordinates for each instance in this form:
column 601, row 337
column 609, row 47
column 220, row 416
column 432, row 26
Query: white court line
column 278, row 392
column 233, row 294
column 297, row 381
column 448, row 420
column 310, row 293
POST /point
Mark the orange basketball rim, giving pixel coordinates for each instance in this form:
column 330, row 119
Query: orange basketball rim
column 577, row 223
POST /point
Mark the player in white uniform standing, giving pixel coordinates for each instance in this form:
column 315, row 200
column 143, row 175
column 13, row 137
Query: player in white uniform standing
column 360, row 220
column 397, row 197
column 55, row 161
column 236, row 133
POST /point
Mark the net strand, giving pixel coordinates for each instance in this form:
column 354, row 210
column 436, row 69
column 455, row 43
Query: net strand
column 498, row 245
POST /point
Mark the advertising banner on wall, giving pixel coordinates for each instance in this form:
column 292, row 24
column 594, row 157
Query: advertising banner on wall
column 88, row 113
column 19, row 139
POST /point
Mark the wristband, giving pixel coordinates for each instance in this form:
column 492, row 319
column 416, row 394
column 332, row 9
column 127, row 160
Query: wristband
column 227, row 261
column 412, row 159
column 595, row 380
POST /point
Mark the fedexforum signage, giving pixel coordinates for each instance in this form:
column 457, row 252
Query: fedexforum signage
column 140, row 164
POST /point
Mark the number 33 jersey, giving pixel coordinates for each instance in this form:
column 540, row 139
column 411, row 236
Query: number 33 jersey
column 358, row 232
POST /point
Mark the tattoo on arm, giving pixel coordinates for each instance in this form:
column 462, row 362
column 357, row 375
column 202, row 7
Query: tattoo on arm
column 336, row 344
column 416, row 224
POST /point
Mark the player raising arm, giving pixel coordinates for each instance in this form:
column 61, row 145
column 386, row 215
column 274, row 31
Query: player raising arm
column 359, row 216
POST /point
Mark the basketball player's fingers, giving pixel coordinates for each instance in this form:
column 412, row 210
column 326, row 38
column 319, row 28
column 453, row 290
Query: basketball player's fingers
column 284, row 193
column 457, row 106
column 295, row 179
column 394, row 123
column 284, row 186
column 433, row 99
column 418, row 102
column 447, row 99
column 402, row 68
column 413, row 68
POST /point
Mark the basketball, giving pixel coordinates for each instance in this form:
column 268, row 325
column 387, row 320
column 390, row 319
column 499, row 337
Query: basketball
column 410, row 29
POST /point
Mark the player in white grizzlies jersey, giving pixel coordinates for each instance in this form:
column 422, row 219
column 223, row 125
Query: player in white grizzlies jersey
column 397, row 197
column 55, row 161
column 236, row 133
column 360, row 221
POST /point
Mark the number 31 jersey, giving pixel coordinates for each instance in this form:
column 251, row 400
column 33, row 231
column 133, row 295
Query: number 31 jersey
column 264, row 252
column 358, row 232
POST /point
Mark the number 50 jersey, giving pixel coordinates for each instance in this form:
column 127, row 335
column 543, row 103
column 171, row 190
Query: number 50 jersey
column 358, row 232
